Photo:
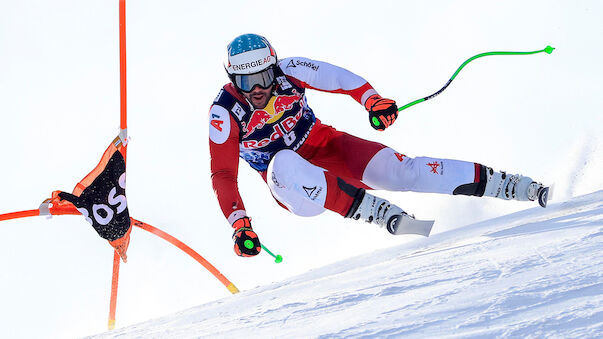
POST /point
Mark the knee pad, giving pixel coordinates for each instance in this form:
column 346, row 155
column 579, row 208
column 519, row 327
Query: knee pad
column 297, row 184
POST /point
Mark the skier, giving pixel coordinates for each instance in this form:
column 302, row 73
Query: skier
column 263, row 117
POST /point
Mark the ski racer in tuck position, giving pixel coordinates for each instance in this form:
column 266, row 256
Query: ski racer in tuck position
column 262, row 116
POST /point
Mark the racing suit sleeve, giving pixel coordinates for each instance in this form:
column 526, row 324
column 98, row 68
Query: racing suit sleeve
column 325, row 77
column 224, row 153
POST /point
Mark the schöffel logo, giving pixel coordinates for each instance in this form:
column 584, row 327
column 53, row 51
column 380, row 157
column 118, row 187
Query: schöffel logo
column 312, row 192
column 303, row 64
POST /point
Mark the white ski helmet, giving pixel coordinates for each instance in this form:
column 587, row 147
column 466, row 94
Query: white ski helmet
column 251, row 61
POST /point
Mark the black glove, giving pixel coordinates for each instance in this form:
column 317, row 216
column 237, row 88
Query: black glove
column 246, row 241
column 382, row 112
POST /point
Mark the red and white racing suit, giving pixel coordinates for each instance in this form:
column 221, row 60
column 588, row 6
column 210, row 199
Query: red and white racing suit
column 310, row 166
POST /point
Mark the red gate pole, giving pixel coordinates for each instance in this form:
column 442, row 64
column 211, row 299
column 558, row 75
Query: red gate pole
column 20, row 214
column 114, row 283
column 123, row 135
column 182, row 246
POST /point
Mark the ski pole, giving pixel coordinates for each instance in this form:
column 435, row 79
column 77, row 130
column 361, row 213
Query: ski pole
column 547, row 49
column 277, row 258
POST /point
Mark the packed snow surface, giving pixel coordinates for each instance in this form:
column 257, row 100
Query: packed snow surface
column 535, row 273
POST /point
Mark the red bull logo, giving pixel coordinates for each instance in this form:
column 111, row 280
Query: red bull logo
column 279, row 130
column 258, row 120
column 274, row 110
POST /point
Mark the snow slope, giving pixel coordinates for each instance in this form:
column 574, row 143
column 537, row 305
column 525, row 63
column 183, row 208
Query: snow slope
column 535, row 273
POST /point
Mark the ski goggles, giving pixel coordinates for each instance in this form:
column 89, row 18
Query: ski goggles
column 246, row 82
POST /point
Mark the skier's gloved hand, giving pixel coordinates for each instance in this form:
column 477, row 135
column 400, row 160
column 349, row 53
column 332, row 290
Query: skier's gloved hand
column 382, row 112
column 246, row 241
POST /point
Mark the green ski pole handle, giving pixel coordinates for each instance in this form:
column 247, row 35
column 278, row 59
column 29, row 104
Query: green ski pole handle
column 277, row 258
column 547, row 49
column 248, row 244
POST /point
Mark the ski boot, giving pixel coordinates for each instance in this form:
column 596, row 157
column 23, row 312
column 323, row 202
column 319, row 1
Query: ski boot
column 514, row 187
column 381, row 212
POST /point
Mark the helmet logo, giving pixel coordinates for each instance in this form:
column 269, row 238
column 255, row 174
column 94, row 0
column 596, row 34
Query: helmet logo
column 248, row 54
column 251, row 64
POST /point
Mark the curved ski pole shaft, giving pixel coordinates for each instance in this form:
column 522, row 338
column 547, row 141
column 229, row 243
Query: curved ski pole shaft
column 547, row 49
column 277, row 258
column 230, row 286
